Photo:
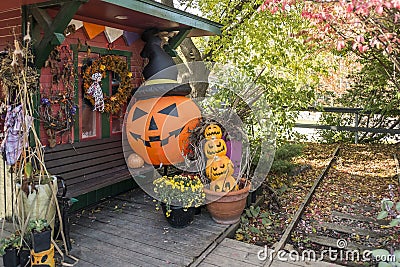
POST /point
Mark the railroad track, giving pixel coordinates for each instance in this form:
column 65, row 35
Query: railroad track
column 345, row 230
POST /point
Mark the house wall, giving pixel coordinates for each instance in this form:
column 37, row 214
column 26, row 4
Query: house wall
column 99, row 41
column 10, row 23
column 10, row 26
column 10, row 20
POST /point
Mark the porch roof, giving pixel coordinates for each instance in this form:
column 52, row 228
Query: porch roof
column 137, row 15
column 130, row 15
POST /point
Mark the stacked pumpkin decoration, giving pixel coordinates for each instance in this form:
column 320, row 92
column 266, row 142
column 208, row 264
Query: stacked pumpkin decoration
column 219, row 168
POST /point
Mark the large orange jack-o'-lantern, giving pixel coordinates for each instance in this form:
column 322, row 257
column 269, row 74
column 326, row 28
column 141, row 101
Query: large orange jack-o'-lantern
column 158, row 128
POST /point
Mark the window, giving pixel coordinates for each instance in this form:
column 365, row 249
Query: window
column 89, row 120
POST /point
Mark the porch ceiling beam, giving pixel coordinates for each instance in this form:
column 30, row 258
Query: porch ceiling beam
column 51, row 3
column 42, row 18
column 53, row 28
column 175, row 41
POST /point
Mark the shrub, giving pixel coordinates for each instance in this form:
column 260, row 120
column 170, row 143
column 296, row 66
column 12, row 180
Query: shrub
column 284, row 154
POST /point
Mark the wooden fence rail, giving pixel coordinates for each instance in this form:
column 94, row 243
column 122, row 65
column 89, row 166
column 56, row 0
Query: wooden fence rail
column 357, row 112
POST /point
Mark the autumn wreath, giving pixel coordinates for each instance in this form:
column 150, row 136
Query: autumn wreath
column 113, row 103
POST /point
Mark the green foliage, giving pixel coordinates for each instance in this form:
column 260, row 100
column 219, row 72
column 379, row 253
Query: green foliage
column 371, row 90
column 38, row 225
column 253, row 223
column 13, row 241
column 385, row 258
column 389, row 209
column 283, row 156
column 272, row 49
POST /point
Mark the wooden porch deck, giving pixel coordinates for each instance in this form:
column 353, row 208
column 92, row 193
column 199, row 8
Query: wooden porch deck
column 127, row 231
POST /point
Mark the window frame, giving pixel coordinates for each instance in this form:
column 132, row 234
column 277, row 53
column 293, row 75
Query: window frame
column 104, row 127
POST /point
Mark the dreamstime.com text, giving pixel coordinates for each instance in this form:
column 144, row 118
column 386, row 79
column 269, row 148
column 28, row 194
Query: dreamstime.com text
column 330, row 254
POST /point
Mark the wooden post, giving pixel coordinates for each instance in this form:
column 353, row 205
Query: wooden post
column 6, row 190
column 356, row 125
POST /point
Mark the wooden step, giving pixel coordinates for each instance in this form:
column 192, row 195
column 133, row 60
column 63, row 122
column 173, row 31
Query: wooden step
column 349, row 230
column 359, row 218
column 333, row 243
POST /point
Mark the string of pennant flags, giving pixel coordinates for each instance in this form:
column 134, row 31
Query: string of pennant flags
column 111, row 34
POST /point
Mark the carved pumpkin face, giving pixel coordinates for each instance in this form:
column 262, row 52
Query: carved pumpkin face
column 158, row 128
column 224, row 185
column 221, row 167
column 213, row 131
column 208, row 167
column 215, row 147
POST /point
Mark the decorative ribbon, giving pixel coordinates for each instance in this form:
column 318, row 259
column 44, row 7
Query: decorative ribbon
column 130, row 37
column 78, row 24
column 159, row 81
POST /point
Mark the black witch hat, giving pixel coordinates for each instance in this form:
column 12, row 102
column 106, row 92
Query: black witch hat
column 161, row 71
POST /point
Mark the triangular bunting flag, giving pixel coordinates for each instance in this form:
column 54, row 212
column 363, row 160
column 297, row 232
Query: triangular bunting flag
column 78, row 24
column 112, row 34
column 130, row 37
column 93, row 30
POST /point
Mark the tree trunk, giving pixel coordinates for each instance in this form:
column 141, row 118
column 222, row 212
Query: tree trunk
column 168, row 2
column 195, row 72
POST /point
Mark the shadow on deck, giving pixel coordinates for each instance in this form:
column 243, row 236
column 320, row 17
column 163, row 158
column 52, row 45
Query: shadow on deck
column 128, row 231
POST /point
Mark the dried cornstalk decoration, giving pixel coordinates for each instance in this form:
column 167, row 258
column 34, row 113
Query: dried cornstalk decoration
column 58, row 106
column 20, row 81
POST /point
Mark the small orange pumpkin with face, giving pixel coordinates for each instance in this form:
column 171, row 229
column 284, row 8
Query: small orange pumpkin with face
column 221, row 167
column 213, row 131
column 215, row 147
column 224, row 184
column 158, row 128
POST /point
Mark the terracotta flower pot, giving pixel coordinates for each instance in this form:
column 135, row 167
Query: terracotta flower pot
column 226, row 208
